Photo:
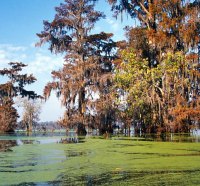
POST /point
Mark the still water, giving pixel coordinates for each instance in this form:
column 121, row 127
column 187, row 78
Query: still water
column 41, row 159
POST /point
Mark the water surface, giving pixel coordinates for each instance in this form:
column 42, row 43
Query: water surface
column 41, row 160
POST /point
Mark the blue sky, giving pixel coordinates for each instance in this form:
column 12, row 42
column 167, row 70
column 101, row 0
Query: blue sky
column 20, row 21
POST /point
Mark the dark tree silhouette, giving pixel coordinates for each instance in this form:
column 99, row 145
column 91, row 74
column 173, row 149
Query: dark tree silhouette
column 12, row 88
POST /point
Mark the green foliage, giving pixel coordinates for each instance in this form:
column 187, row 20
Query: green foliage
column 151, row 93
column 167, row 37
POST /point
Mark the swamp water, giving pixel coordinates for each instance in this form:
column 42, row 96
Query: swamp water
column 40, row 160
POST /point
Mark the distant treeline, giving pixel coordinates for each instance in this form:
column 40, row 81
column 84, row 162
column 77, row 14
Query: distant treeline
column 41, row 126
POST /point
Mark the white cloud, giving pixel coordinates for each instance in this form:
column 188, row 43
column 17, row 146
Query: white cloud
column 32, row 45
column 52, row 110
column 3, row 57
column 44, row 63
column 12, row 48
column 10, row 53
column 38, row 60
column 40, row 63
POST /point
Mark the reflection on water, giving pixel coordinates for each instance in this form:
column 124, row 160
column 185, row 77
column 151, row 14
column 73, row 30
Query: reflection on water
column 20, row 138
column 72, row 137
column 41, row 159
column 5, row 145
column 17, row 139
column 190, row 137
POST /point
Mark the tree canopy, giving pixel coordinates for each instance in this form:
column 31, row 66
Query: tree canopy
column 15, row 86
column 167, row 37
column 86, row 72
column 151, row 80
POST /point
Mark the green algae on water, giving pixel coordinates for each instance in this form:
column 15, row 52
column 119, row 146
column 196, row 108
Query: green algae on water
column 102, row 162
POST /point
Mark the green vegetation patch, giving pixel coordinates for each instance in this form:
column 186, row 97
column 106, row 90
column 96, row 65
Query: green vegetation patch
column 102, row 162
